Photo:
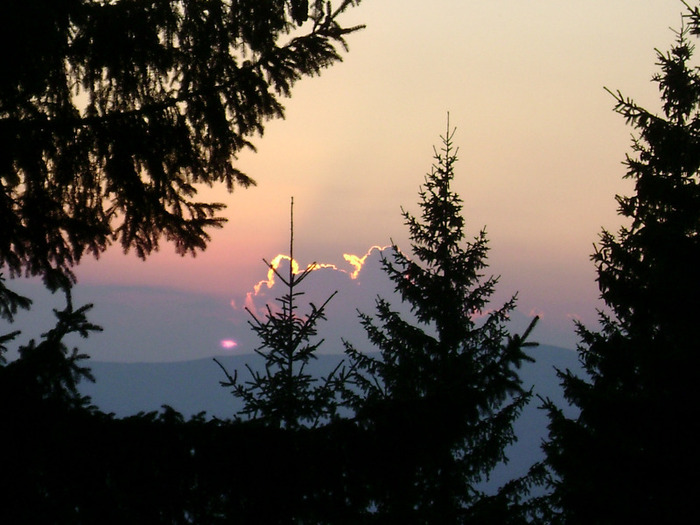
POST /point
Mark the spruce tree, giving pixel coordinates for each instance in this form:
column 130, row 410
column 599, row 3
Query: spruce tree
column 48, row 371
column 113, row 112
column 443, row 392
column 631, row 454
column 285, row 395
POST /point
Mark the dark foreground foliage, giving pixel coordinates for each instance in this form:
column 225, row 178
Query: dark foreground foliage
column 63, row 463
column 75, row 465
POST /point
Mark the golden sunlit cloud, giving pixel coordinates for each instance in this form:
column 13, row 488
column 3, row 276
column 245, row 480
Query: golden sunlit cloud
column 249, row 303
column 274, row 264
column 357, row 263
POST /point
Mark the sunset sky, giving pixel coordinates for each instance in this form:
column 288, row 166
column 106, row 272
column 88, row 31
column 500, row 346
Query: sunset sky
column 540, row 162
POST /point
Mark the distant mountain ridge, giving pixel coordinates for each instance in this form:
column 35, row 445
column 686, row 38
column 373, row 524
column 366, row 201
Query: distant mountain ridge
column 191, row 387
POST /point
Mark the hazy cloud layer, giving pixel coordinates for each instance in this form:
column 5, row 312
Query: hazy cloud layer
column 165, row 324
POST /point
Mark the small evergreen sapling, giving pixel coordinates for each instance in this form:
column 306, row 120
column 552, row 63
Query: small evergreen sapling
column 286, row 395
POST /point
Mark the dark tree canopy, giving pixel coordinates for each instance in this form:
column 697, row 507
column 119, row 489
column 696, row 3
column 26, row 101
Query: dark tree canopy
column 111, row 112
column 631, row 455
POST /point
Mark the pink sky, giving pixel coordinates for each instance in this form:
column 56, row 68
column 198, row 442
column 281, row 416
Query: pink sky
column 540, row 148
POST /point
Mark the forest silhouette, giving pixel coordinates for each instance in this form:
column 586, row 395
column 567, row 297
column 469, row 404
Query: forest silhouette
column 406, row 428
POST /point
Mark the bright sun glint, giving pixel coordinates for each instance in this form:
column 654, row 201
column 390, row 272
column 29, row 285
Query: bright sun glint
column 229, row 343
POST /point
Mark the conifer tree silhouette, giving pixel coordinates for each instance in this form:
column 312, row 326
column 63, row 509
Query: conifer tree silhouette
column 286, row 395
column 631, row 454
column 49, row 370
column 111, row 114
column 444, row 391
column 10, row 302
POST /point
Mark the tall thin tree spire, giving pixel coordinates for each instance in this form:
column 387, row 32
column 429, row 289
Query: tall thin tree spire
column 291, row 239
column 286, row 395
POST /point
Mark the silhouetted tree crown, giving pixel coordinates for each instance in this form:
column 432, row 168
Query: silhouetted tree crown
column 111, row 112
column 445, row 384
column 285, row 394
column 48, row 370
column 622, row 459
